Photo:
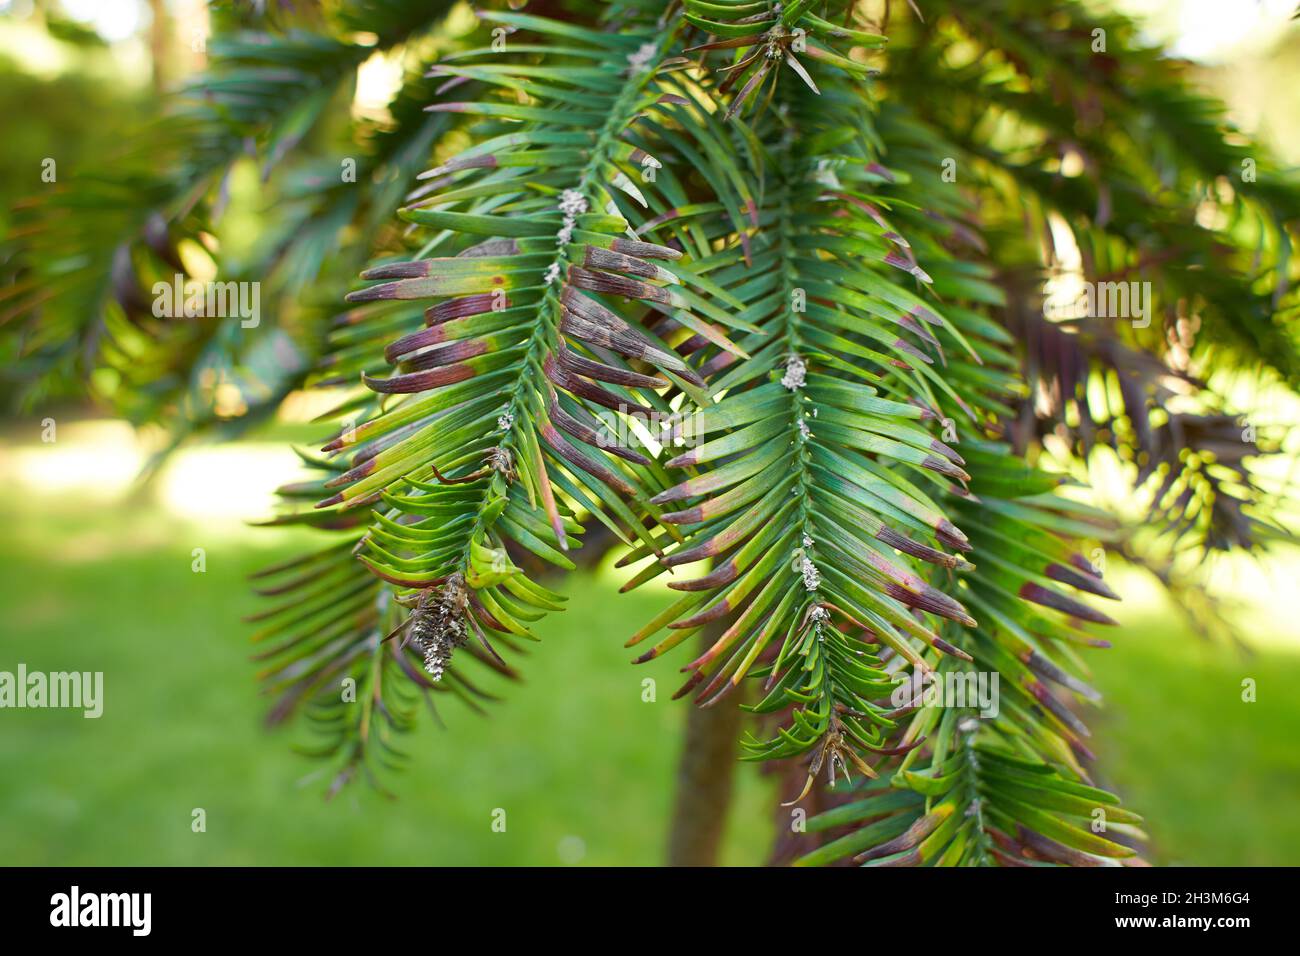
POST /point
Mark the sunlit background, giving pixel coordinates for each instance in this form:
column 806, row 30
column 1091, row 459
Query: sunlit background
column 96, row 573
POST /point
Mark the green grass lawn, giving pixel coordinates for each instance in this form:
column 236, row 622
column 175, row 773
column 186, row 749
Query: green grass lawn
column 582, row 767
column 1217, row 778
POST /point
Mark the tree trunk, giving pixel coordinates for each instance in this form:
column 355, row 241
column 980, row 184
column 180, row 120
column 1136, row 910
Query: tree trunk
column 705, row 778
column 159, row 45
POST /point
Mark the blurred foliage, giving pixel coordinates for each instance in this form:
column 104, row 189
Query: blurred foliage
column 46, row 117
column 85, row 250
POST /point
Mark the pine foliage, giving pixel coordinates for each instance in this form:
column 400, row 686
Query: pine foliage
column 758, row 289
